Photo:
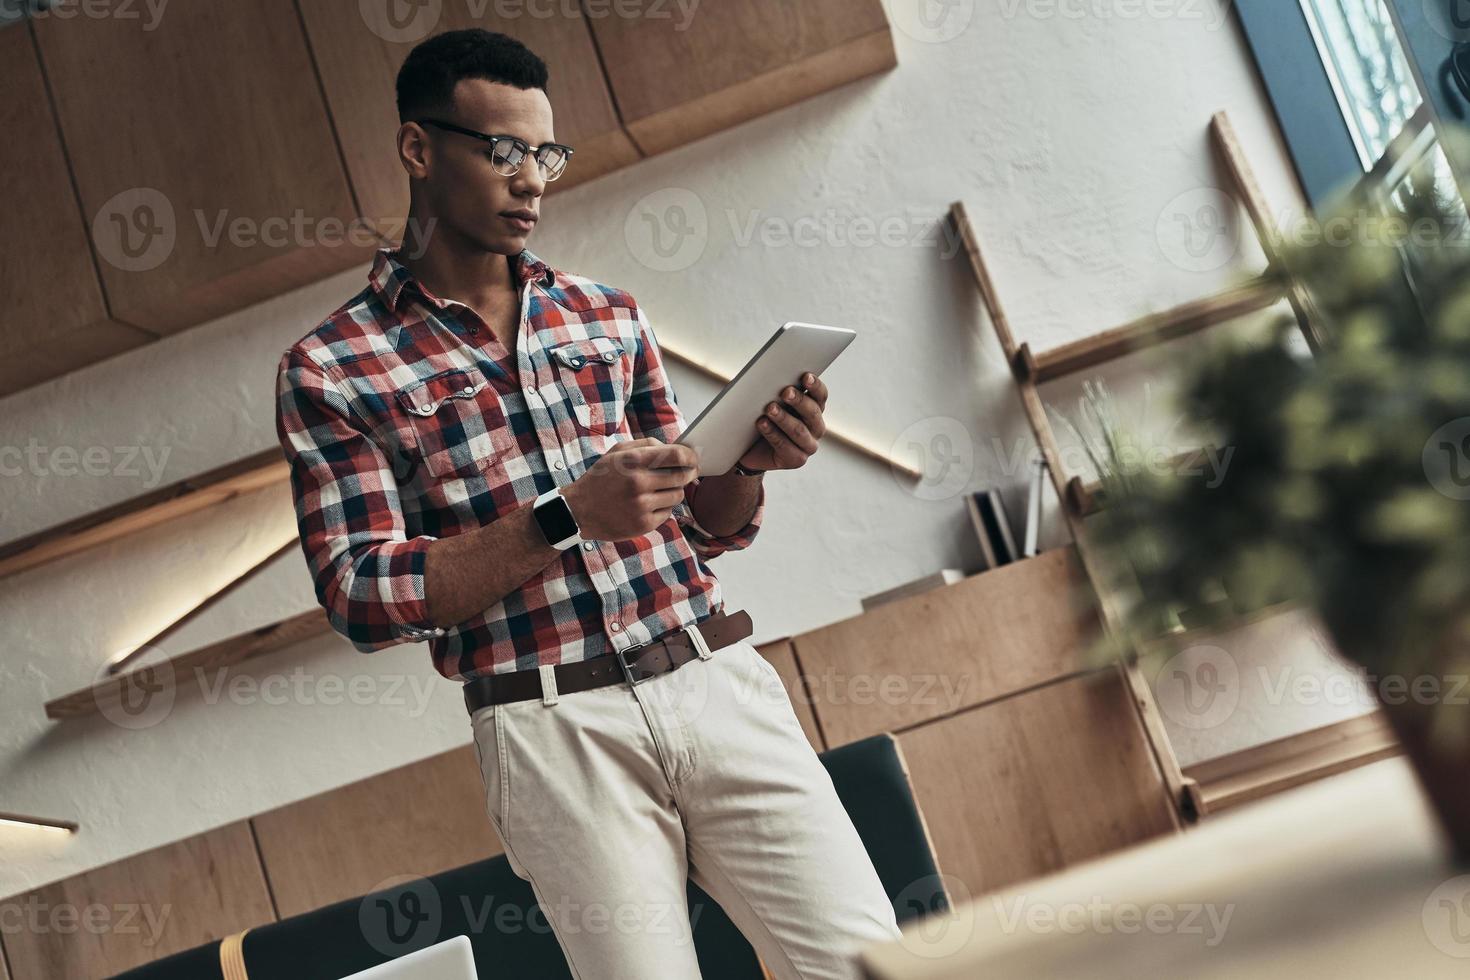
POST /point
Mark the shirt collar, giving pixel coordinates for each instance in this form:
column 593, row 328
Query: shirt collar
column 389, row 279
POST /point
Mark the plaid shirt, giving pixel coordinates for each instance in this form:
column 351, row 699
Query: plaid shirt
column 404, row 420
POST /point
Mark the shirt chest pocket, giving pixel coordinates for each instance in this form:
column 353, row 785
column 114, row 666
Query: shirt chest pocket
column 458, row 422
column 595, row 376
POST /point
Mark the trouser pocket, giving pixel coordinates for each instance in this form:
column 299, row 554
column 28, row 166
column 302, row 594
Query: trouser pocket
column 492, row 747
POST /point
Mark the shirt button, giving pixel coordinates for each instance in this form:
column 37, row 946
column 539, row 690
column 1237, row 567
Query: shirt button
column 469, row 391
column 617, row 626
column 530, row 390
column 609, row 356
column 559, row 465
column 588, row 545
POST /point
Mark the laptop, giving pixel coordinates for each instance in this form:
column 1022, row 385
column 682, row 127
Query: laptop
column 452, row 960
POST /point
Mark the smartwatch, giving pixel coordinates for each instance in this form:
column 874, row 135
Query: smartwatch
column 554, row 517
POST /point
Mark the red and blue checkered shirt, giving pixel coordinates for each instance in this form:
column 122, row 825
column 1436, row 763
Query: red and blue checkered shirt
column 405, row 420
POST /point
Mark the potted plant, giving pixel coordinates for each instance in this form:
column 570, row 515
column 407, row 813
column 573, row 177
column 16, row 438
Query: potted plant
column 1348, row 488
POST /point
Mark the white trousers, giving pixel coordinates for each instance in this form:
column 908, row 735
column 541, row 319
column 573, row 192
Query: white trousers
column 608, row 800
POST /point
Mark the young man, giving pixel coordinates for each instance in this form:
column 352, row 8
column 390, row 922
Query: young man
column 481, row 456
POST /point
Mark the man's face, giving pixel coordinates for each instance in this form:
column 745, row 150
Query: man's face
column 465, row 194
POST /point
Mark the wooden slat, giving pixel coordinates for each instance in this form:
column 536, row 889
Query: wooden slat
column 1248, row 192
column 216, row 108
column 44, row 253
column 1156, row 328
column 174, row 898
column 359, row 66
column 1161, row 648
column 782, row 656
column 960, row 219
column 54, row 822
column 1031, row 402
column 928, row 655
column 179, row 673
column 1036, row 782
column 1264, row 770
column 1112, row 617
column 419, row 819
column 678, row 78
column 156, row 507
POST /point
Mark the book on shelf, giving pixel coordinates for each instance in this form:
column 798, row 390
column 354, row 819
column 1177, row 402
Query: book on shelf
column 1033, row 508
column 992, row 527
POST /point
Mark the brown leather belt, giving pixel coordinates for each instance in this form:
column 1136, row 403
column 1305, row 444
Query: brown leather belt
column 634, row 665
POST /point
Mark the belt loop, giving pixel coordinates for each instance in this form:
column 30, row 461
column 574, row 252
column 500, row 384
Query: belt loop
column 700, row 643
column 548, row 685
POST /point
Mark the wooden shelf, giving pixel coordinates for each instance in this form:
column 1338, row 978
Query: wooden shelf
column 1261, row 771
column 48, row 823
column 149, row 510
column 1147, row 331
column 149, row 680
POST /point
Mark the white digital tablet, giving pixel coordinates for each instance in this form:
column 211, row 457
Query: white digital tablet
column 725, row 430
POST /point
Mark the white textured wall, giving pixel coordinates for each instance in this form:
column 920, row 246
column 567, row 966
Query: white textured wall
column 1068, row 137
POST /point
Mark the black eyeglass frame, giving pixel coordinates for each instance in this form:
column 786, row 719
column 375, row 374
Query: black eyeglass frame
column 527, row 150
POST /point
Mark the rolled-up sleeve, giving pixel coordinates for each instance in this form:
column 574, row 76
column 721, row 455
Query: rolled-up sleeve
column 368, row 575
column 653, row 410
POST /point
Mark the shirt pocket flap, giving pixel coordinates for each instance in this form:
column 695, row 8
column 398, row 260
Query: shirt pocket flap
column 425, row 396
column 576, row 353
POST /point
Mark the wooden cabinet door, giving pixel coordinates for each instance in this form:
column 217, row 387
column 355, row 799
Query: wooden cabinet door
column 427, row 817
column 1037, row 782
column 203, row 155
column 926, row 656
column 360, row 51
column 682, row 71
column 53, row 320
column 140, row 909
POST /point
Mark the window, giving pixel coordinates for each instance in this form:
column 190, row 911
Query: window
column 1342, row 80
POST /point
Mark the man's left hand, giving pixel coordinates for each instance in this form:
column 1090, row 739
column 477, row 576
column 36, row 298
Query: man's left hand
column 793, row 431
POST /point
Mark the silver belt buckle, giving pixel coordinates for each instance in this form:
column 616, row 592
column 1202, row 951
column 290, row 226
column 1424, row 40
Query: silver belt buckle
column 627, row 671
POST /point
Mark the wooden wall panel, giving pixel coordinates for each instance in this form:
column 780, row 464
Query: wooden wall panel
column 1036, row 782
column 152, row 905
column 927, row 655
column 359, row 67
column 4, row 974
column 54, row 319
column 419, row 819
column 178, row 132
column 783, row 658
column 677, row 78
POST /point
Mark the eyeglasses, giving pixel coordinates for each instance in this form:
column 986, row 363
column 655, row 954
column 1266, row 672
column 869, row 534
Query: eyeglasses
column 508, row 153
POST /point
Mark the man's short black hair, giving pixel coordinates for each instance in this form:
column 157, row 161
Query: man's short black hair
column 430, row 72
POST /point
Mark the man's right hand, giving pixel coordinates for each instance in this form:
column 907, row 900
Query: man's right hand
column 631, row 489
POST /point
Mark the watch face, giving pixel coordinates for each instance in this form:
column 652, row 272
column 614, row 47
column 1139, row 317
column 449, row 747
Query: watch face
column 556, row 521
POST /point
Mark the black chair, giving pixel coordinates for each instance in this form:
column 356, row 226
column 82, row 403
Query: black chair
column 497, row 910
